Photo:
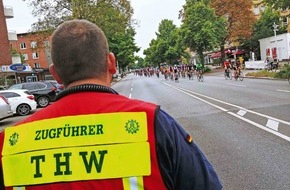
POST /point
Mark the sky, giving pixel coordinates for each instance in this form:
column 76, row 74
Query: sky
column 149, row 14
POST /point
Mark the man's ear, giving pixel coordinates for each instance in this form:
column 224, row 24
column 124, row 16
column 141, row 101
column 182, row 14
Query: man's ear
column 53, row 72
column 112, row 63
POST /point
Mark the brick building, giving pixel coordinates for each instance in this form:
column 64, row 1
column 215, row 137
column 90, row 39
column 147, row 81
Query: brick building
column 5, row 56
column 35, row 53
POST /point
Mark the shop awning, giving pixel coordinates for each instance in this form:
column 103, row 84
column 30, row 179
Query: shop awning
column 216, row 55
column 239, row 52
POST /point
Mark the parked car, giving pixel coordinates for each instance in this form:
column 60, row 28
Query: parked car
column 21, row 101
column 59, row 87
column 5, row 108
column 44, row 91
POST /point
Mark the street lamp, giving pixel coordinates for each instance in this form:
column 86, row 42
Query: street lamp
column 275, row 26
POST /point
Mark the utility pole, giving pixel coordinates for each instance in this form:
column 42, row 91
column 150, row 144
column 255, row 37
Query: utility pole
column 275, row 26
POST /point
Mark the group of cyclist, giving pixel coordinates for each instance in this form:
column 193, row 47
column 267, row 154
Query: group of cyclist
column 232, row 65
column 175, row 72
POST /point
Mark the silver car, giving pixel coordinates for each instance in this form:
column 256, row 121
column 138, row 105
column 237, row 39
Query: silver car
column 5, row 108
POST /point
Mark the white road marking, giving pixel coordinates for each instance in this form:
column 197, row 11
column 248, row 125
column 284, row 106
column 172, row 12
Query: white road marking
column 130, row 95
column 261, row 127
column 240, row 85
column 272, row 124
column 242, row 112
column 283, row 90
column 268, row 129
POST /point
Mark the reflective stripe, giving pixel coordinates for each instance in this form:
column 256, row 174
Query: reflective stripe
column 18, row 188
column 78, row 163
column 133, row 183
column 80, row 130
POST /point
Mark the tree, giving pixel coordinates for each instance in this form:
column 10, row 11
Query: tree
column 263, row 28
column 240, row 17
column 166, row 47
column 201, row 30
column 113, row 16
column 124, row 47
column 240, row 20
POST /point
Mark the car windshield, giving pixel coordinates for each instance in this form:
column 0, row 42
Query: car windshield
column 16, row 86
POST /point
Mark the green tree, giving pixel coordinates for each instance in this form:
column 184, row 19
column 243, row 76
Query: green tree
column 113, row 16
column 263, row 28
column 201, row 29
column 124, row 47
column 166, row 47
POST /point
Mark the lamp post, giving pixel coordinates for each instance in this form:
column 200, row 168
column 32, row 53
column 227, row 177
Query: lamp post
column 275, row 26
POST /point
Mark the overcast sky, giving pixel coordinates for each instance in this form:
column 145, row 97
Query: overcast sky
column 149, row 13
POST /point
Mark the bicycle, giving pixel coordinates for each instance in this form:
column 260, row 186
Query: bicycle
column 200, row 76
column 239, row 75
column 228, row 74
column 190, row 75
column 176, row 77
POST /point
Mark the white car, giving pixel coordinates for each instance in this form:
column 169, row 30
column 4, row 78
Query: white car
column 21, row 101
column 5, row 108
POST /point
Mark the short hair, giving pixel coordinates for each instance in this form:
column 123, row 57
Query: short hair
column 79, row 51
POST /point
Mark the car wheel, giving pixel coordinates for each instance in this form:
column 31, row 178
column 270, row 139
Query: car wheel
column 23, row 109
column 43, row 101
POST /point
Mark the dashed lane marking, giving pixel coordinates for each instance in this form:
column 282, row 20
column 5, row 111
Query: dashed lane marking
column 283, row 90
column 272, row 124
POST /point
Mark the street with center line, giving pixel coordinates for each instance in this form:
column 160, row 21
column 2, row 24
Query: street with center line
column 243, row 127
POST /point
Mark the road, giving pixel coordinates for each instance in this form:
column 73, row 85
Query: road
column 243, row 127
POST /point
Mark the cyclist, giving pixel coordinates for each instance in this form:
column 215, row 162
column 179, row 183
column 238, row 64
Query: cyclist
column 227, row 66
column 199, row 69
column 237, row 68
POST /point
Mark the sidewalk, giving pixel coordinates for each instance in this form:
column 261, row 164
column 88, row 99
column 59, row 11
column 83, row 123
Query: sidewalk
column 219, row 69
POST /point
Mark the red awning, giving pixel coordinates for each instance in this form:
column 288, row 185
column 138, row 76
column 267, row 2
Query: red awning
column 216, row 55
column 239, row 52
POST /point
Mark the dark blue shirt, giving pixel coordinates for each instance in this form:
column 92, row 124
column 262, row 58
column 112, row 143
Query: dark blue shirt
column 183, row 166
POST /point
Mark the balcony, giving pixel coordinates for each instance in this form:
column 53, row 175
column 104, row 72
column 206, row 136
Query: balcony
column 8, row 12
column 12, row 36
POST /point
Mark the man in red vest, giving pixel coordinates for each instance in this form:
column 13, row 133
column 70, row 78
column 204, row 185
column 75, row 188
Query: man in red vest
column 94, row 138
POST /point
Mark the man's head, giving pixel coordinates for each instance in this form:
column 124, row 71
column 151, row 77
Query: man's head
column 80, row 52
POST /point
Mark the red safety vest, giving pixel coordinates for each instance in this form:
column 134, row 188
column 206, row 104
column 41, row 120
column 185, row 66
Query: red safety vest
column 84, row 103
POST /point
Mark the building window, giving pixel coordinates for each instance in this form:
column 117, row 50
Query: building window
column 22, row 45
column 33, row 44
column 263, row 8
column 35, row 55
column 25, row 56
column 256, row 10
column 36, row 65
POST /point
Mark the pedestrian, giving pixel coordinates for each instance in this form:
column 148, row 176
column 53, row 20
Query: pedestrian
column 94, row 138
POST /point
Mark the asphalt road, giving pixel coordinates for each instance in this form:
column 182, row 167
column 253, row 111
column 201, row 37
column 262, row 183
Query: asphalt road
column 242, row 126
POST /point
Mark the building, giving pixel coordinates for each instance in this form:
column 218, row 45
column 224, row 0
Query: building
column 259, row 7
column 22, row 57
column 275, row 47
column 35, row 53
column 5, row 56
